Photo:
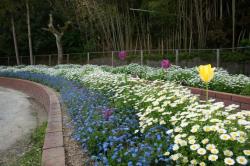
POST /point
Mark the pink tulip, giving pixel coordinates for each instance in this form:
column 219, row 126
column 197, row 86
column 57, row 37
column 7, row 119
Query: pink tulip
column 165, row 64
column 122, row 55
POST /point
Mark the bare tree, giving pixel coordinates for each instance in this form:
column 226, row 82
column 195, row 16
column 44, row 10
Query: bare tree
column 233, row 23
column 29, row 32
column 14, row 39
column 58, row 33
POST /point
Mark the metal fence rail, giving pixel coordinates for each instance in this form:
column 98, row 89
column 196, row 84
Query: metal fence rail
column 235, row 60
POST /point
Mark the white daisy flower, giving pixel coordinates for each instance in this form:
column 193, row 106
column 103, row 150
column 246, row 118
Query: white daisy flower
column 229, row 161
column 205, row 141
column 192, row 141
column 202, row 164
column 185, row 160
column 175, row 156
column 210, row 146
column 194, row 130
column 214, row 151
column 194, row 146
column 225, row 137
column 212, row 157
column 178, row 129
column 194, row 162
column 206, row 128
column 246, row 152
column 191, row 137
column 183, row 143
column 222, row 131
column 201, row 151
column 175, row 147
column 241, row 160
column 166, row 154
column 241, row 140
column 228, row 153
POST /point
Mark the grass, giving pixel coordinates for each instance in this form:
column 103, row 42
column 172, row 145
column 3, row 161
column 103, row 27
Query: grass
column 34, row 155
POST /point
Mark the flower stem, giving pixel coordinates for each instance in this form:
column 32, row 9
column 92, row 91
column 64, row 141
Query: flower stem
column 207, row 92
column 126, row 78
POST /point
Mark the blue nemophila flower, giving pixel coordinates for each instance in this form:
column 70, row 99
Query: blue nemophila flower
column 170, row 148
column 130, row 163
column 158, row 136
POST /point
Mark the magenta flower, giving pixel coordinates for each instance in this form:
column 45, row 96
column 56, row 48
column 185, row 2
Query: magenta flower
column 165, row 64
column 122, row 55
column 107, row 113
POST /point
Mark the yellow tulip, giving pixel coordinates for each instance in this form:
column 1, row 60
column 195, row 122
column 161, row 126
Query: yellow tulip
column 206, row 73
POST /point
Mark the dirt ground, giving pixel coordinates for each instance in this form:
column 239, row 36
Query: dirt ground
column 75, row 156
column 19, row 116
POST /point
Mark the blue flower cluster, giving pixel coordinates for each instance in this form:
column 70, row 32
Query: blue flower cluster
column 107, row 133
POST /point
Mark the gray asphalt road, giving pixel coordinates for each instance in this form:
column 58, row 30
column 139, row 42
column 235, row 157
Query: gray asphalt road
column 16, row 117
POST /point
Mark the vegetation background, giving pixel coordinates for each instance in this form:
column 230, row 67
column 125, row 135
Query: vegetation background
column 100, row 25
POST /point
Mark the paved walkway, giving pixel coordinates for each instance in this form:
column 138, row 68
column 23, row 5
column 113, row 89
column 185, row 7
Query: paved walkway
column 17, row 117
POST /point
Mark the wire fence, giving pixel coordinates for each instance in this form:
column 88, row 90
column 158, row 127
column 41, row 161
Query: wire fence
column 235, row 60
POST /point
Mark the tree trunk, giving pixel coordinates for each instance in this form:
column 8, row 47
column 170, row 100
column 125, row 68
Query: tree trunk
column 59, row 49
column 29, row 33
column 58, row 35
column 15, row 41
column 221, row 9
column 233, row 23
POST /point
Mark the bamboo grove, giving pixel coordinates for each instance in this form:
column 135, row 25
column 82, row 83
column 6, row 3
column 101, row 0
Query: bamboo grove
column 165, row 23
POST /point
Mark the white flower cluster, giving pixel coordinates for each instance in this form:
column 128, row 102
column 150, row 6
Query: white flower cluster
column 223, row 81
column 213, row 131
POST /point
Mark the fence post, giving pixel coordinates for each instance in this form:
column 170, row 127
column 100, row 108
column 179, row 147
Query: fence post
column 112, row 60
column 67, row 58
column 49, row 60
column 80, row 62
column 218, row 57
column 141, row 57
column 177, row 57
column 21, row 60
column 8, row 61
column 88, row 58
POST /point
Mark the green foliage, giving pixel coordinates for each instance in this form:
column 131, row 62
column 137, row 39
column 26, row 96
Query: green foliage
column 245, row 42
column 33, row 157
column 246, row 90
column 236, row 56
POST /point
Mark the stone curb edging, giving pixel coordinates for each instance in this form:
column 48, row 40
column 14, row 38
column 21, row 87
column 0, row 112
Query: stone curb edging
column 227, row 98
column 53, row 148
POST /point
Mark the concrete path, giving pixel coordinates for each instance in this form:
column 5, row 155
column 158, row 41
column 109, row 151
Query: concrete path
column 17, row 117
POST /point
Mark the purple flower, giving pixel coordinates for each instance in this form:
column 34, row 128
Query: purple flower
column 107, row 113
column 165, row 63
column 122, row 55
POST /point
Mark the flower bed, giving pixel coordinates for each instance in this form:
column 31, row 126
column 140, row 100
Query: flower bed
column 130, row 121
column 223, row 81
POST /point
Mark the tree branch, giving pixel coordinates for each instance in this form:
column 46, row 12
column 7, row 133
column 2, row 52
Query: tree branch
column 53, row 30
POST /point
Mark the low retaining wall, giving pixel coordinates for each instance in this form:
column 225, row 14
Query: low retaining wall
column 227, row 98
column 53, row 149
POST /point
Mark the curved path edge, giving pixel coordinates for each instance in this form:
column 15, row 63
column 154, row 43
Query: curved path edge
column 53, row 148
